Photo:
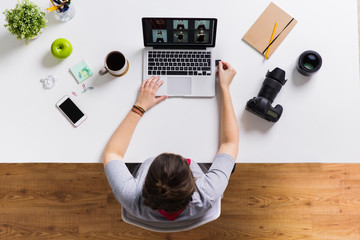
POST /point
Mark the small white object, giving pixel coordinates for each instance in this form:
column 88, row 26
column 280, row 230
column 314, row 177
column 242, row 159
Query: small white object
column 71, row 111
column 49, row 81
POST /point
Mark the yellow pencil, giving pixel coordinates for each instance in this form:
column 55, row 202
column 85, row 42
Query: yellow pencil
column 272, row 37
column 50, row 9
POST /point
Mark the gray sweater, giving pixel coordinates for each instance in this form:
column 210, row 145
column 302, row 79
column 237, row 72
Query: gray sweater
column 209, row 188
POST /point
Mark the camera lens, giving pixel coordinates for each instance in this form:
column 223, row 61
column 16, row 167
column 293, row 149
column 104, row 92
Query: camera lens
column 270, row 89
column 272, row 84
column 311, row 61
column 308, row 63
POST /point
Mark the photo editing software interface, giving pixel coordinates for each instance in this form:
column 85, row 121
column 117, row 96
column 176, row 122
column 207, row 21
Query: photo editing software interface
column 183, row 32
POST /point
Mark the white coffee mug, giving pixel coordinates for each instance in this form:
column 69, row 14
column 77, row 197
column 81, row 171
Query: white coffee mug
column 116, row 64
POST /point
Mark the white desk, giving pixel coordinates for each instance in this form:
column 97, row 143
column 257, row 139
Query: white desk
column 321, row 119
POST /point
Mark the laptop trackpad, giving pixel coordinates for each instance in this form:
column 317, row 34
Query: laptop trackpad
column 179, row 85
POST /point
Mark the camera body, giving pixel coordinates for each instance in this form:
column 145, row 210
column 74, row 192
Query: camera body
column 261, row 105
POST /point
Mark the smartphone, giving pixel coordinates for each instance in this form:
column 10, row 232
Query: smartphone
column 71, row 111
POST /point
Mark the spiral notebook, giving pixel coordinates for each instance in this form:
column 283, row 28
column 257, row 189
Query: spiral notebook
column 259, row 35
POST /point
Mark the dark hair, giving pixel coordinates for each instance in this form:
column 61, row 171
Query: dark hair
column 169, row 183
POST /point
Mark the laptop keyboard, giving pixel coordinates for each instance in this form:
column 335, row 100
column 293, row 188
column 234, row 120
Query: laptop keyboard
column 179, row 62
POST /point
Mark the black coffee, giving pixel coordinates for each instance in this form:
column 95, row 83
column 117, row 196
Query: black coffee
column 115, row 61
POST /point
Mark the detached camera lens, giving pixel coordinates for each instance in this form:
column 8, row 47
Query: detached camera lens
column 308, row 63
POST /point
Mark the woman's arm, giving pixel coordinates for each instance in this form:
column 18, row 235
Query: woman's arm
column 229, row 130
column 120, row 140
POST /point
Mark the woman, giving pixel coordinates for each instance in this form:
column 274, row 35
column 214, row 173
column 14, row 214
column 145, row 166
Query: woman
column 200, row 37
column 180, row 36
column 169, row 188
column 159, row 37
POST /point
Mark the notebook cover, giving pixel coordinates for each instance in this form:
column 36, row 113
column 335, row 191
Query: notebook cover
column 259, row 34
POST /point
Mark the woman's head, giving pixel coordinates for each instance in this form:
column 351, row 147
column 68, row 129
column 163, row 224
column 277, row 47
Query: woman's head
column 169, row 183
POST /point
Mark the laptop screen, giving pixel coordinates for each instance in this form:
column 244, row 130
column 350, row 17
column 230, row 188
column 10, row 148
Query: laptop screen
column 181, row 32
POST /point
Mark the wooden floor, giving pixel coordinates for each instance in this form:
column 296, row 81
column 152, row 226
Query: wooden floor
column 262, row 201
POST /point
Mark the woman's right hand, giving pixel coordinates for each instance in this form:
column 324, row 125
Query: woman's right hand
column 146, row 96
column 226, row 74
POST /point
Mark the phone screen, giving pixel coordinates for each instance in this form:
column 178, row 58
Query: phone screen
column 71, row 110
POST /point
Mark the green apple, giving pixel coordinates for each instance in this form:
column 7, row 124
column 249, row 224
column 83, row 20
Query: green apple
column 61, row 48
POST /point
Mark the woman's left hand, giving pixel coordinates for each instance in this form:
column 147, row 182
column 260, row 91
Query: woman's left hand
column 146, row 97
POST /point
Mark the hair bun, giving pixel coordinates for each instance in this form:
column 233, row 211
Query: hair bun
column 163, row 189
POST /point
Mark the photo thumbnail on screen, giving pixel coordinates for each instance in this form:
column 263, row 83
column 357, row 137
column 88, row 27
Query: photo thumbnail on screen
column 180, row 24
column 159, row 36
column 158, row 23
column 201, row 36
column 180, row 37
column 202, row 24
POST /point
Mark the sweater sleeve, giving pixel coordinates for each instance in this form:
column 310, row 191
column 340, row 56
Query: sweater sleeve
column 215, row 181
column 122, row 183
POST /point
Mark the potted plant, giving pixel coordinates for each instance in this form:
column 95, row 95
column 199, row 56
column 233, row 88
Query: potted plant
column 26, row 20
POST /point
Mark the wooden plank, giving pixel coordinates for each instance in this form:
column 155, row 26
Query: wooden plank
column 336, row 227
column 38, row 226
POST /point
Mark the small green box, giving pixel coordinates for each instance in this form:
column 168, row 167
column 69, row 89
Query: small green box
column 81, row 71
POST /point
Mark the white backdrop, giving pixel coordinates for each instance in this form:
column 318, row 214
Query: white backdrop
column 321, row 119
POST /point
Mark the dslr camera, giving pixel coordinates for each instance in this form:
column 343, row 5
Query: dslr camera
column 261, row 105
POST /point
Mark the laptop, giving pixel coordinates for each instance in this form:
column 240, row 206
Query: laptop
column 179, row 50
